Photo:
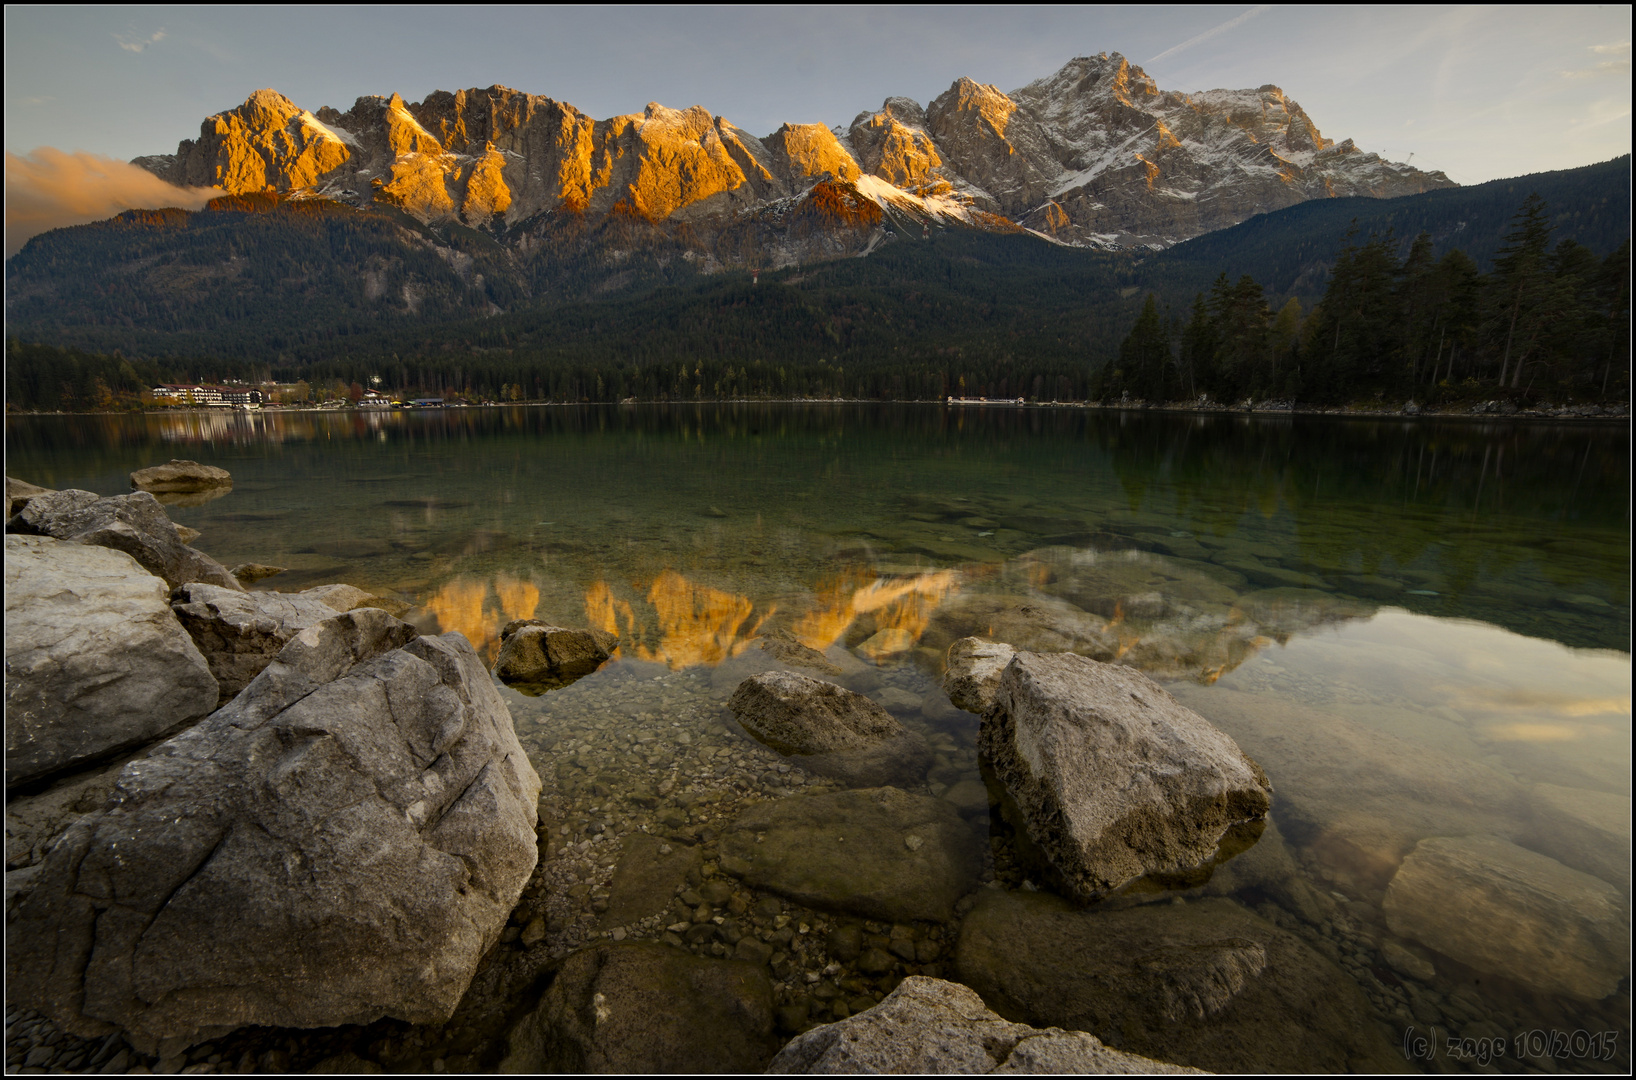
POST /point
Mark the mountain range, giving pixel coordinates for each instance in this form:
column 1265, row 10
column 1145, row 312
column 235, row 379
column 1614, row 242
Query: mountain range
column 1095, row 155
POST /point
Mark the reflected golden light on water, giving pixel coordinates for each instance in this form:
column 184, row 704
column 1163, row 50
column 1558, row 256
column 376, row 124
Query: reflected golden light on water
column 698, row 624
column 902, row 608
column 478, row 609
column 1533, row 701
column 1523, row 732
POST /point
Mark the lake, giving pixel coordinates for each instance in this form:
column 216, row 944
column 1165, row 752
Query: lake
column 1420, row 629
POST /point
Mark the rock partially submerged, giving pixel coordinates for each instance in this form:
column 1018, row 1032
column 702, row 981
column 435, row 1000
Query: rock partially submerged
column 832, row 730
column 642, row 1007
column 181, row 476
column 536, row 657
column 95, row 661
column 931, row 1026
column 341, row 843
column 1504, row 909
column 1206, row 983
column 974, row 668
column 135, row 524
column 1115, row 778
column 882, row 853
column 250, row 573
column 240, row 633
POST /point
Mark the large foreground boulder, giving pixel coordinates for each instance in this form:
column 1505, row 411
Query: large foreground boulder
column 932, row 1026
column 1114, row 777
column 882, row 853
column 642, row 1007
column 1504, row 909
column 1206, row 983
column 179, row 475
column 536, row 657
column 341, row 843
column 95, row 661
column 239, row 633
column 135, row 524
column 833, row 730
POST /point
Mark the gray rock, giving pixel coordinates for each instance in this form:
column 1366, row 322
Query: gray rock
column 536, row 657
column 782, row 646
column 642, row 1007
column 350, row 598
column 35, row 821
column 1504, row 909
column 239, row 633
column 178, row 475
column 135, row 524
column 1207, row 984
column 973, row 675
column 250, row 573
column 1114, row 777
column 342, row 842
column 95, row 661
column 18, row 493
column 931, row 1026
column 848, row 851
column 832, row 730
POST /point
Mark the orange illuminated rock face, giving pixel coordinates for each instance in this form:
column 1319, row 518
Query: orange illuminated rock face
column 1095, row 154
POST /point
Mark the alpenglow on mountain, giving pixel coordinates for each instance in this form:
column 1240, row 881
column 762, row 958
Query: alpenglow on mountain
column 1095, row 155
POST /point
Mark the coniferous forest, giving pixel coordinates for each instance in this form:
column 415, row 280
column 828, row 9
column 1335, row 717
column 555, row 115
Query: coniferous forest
column 1528, row 303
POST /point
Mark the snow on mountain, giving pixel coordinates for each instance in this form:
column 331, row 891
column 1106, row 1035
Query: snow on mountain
column 1094, row 155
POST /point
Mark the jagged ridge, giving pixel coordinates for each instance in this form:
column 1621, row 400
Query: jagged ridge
column 1094, row 155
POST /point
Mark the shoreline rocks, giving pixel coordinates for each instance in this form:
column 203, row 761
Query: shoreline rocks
column 342, row 842
column 135, row 524
column 829, row 729
column 240, row 633
column 1115, row 778
column 931, row 1026
column 536, row 657
column 95, row 660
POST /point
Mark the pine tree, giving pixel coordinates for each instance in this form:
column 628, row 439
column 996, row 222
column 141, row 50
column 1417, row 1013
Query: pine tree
column 1144, row 357
column 1518, row 286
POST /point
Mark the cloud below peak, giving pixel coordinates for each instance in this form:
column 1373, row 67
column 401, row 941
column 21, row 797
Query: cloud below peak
column 133, row 43
column 50, row 188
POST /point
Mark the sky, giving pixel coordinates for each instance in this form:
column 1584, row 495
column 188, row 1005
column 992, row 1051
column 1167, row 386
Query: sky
column 1478, row 92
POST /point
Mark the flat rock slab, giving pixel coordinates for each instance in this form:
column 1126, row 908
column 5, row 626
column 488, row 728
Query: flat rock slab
column 829, row 729
column 135, row 524
column 239, row 633
column 342, row 842
column 95, row 661
column 880, row 853
column 1114, row 777
column 650, row 871
column 1504, row 909
column 642, row 1007
column 1207, row 984
column 1588, row 830
column 931, row 1026
column 179, row 475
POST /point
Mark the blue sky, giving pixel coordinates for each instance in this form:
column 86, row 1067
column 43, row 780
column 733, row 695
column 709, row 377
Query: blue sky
column 1478, row 92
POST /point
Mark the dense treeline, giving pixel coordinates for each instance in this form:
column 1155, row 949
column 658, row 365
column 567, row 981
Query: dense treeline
column 1545, row 320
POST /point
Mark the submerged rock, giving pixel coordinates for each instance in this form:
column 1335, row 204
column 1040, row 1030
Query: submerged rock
column 930, row 1026
column 882, row 853
column 1114, row 777
column 95, row 660
column 239, row 633
column 650, row 871
column 250, row 573
column 642, row 1007
column 135, row 524
column 1504, row 909
column 535, row 657
column 1207, row 984
column 341, row 843
column 179, row 475
column 1588, row 830
column 830, row 729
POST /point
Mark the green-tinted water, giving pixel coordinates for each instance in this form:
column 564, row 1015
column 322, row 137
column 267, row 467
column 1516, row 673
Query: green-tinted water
column 1418, row 629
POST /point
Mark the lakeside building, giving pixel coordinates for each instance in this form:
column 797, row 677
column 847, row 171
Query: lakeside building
column 226, row 397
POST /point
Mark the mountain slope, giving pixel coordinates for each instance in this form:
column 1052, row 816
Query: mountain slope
column 1094, row 155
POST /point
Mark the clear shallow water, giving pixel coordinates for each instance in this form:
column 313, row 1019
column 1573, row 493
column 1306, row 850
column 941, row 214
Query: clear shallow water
column 1417, row 629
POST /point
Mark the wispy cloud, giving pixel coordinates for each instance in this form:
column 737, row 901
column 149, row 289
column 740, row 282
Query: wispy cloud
column 37, row 100
column 1617, row 47
column 135, row 43
column 1606, row 67
column 1214, row 31
column 50, row 188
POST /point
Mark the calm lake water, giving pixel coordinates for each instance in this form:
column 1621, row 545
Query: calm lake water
column 1418, row 629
